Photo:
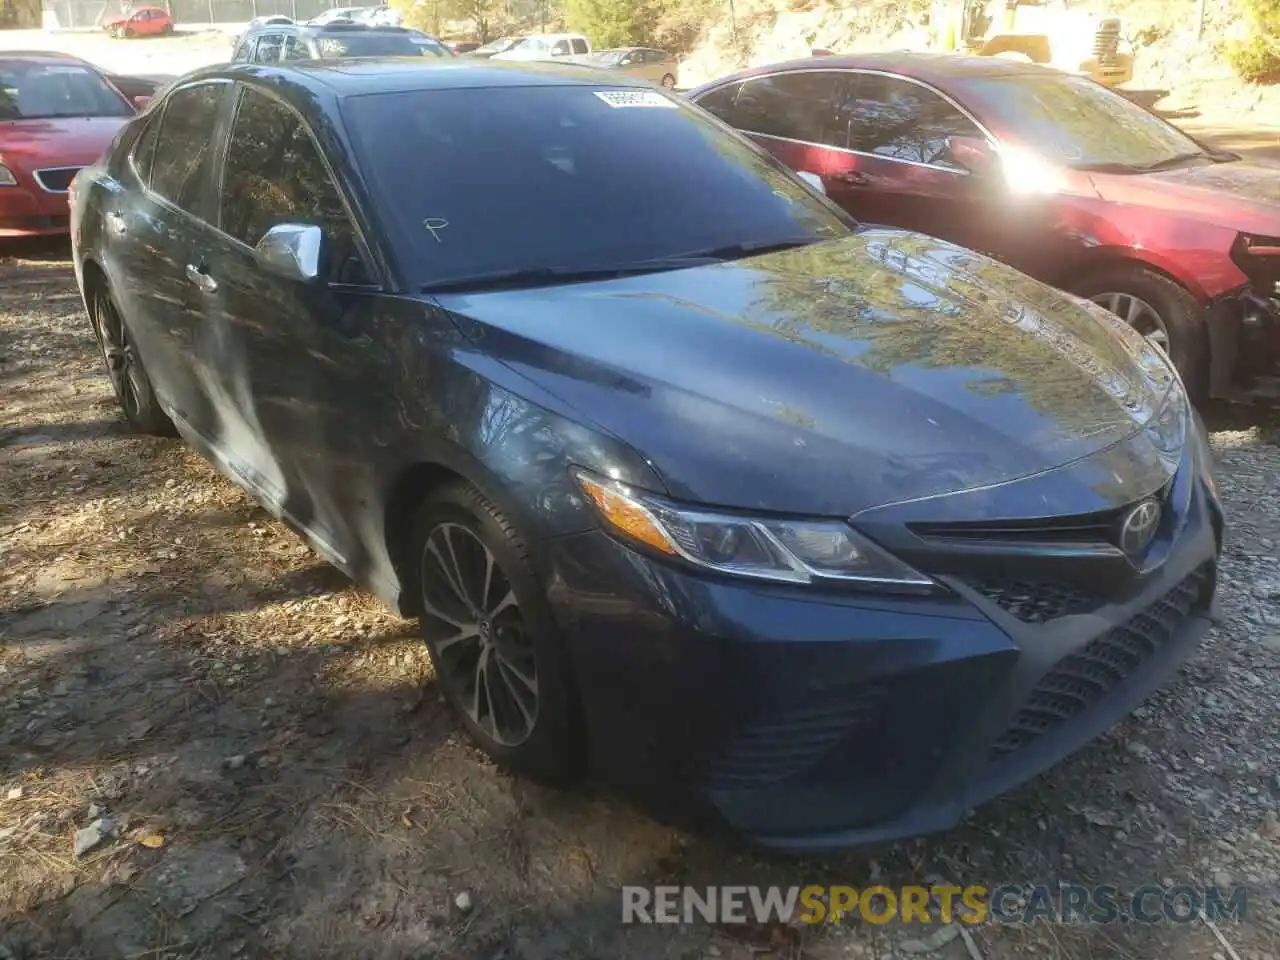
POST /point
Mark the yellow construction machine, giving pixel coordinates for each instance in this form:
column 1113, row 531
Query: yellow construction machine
column 1042, row 31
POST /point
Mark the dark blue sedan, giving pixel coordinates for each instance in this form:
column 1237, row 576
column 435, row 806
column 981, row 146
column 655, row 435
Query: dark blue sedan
column 822, row 531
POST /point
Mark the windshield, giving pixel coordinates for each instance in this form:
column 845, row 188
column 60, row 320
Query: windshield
column 34, row 91
column 428, row 45
column 478, row 182
column 498, row 46
column 530, row 45
column 1074, row 121
column 367, row 45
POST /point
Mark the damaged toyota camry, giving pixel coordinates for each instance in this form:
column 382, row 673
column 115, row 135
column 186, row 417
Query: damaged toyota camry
column 822, row 532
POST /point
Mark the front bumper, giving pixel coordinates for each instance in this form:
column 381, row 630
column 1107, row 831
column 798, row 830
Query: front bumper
column 817, row 722
column 28, row 211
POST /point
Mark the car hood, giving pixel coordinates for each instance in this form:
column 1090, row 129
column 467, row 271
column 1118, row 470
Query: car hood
column 57, row 141
column 1242, row 195
column 827, row 379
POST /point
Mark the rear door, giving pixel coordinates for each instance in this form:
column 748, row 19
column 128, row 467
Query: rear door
column 897, row 167
column 154, row 228
column 789, row 114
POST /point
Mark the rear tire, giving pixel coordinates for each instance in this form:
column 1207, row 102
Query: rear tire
column 129, row 377
column 1127, row 288
column 498, row 657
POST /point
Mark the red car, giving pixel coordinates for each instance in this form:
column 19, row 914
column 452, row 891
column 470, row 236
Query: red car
column 142, row 22
column 57, row 114
column 1051, row 173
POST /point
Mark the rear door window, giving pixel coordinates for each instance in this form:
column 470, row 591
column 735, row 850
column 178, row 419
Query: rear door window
column 721, row 101
column 579, row 45
column 792, row 106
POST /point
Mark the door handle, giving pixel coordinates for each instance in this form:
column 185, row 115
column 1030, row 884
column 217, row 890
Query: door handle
column 116, row 223
column 852, row 177
column 201, row 279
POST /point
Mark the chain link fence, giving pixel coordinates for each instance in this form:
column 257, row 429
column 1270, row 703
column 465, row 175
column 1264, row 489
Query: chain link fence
column 88, row 14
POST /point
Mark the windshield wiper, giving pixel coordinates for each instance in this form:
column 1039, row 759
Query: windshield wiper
column 548, row 276
column 736, row 251
column 553, row 276
column 1168, row 163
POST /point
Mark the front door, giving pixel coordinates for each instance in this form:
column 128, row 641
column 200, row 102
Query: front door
column 289, row 356
column 153, row 233
column 898, row 169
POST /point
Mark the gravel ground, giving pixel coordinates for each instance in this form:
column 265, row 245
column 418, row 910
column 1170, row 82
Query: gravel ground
column 212, row 745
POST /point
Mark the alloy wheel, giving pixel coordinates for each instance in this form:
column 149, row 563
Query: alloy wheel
column 484, row 652
column 1138, row 314
column 122, row 361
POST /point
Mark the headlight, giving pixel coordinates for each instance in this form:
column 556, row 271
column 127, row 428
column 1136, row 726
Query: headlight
column 7, row 179
column 789, row 551
column 1168, row 428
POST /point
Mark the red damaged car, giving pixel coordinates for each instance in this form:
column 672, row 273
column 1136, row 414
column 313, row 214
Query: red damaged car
column 1051, row 173
column 57, row 114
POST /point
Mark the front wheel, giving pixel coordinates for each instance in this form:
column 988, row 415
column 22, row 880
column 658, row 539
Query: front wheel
column 130, row 33
column 1159, row 309
column 492, row 638
column 669, row 81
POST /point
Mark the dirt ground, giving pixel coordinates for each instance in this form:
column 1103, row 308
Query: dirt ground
column 272, row 774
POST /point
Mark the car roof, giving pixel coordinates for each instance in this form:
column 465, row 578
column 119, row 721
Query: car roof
column 44, row 56
column 355, row 77
column 937, row 68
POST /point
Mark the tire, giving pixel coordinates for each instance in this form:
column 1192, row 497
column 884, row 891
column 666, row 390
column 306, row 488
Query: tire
column 1179, row 312
column 129, row 33
column 542, row 735
column 669, row 81
column 129, row 377
column 168, row 29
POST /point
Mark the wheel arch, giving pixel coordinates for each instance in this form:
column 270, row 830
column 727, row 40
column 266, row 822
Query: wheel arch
column 1103, row 259
column 414, row 483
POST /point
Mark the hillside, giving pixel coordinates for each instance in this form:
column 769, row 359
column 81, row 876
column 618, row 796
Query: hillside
column 1176, row 64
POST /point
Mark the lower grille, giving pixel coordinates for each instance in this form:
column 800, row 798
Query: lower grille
column 56, row 179
column 1038, row 602
column 792, row 741
column 1081, row 679
column 1106, row 43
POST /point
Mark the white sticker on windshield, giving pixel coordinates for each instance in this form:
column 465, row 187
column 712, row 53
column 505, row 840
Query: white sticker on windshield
column 634, row 98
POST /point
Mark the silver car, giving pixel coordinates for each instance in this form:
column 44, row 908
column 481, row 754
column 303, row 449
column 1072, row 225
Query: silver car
column 656, row 66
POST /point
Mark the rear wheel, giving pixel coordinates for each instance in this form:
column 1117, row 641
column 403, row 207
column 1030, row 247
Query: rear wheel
column 1159, row 309
column 669, row 81
column 128, row 376
column 487, row 624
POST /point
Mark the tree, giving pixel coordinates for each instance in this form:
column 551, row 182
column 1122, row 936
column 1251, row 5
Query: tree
column 427, row 15
column 1257, row 57
column 612, row 23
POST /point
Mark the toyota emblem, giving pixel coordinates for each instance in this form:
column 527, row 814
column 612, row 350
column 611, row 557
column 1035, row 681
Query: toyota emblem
column 1139, row 526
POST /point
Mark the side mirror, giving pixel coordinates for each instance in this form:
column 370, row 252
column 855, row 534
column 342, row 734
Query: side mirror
column 293, row 251
column 813, row 180
column 141, row 100
column 974, row 154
